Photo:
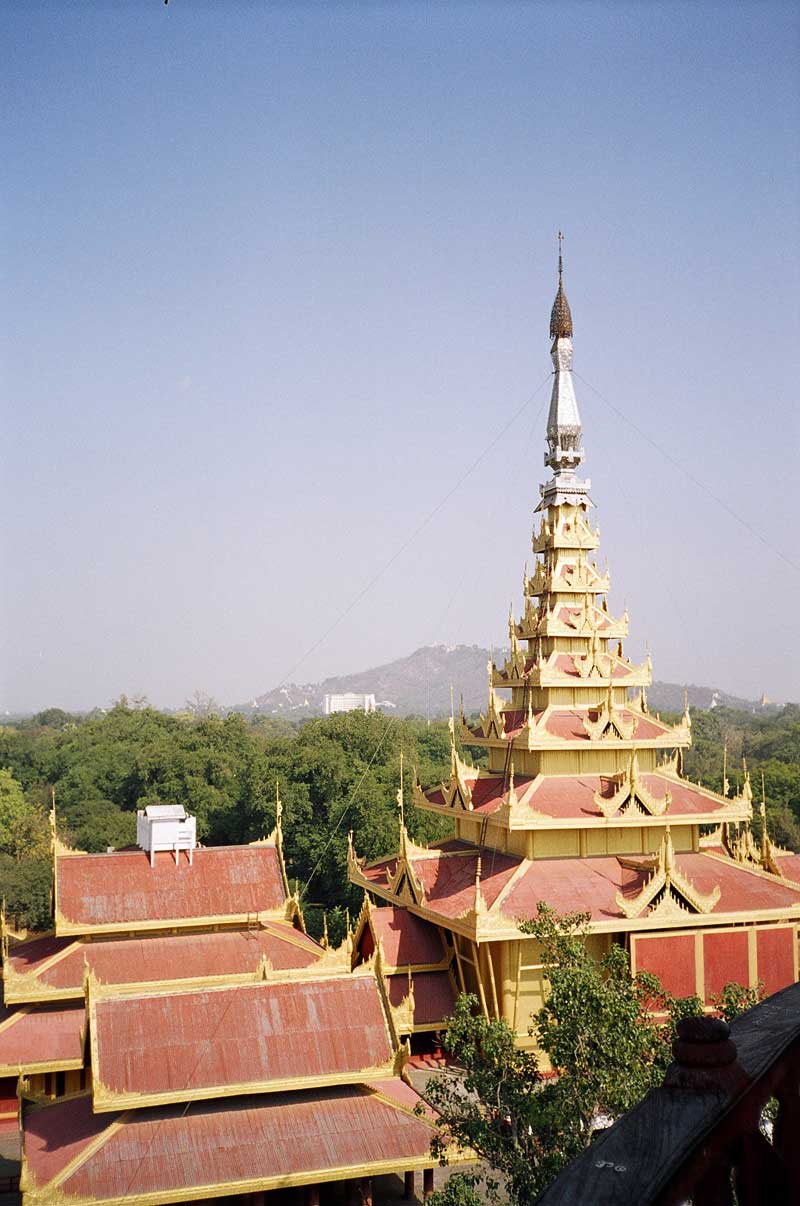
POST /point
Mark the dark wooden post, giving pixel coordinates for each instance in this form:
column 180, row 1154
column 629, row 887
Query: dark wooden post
column 408, row 1187
column 312, row 1195
column 427, row 1182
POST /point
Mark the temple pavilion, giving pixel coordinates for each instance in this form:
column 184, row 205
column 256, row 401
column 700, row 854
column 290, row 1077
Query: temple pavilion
column 180, row 1037
column 582, row 803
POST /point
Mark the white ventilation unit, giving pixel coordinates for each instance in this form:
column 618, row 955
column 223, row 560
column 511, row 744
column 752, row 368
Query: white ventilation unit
column 166, row 827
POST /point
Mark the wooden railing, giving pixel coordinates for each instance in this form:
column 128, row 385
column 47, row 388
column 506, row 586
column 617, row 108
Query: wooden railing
column 705, row 1136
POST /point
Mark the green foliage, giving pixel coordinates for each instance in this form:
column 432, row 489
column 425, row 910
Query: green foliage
column 335, row 774
column 597, row 1024
column 26, row 889
column 500, row 1109
column 735, row 999
column 14, row 810
column 771, row 746
column 460, row 1189
column 608, row 1036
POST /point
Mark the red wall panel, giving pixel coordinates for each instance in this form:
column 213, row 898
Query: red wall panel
column 725, row 959
column 775, row 958
column 671, row 958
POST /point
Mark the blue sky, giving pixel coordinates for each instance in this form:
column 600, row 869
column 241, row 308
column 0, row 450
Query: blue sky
column 277, row 275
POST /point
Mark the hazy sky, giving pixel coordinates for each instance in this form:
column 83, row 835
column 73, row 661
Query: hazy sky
column 276, row 276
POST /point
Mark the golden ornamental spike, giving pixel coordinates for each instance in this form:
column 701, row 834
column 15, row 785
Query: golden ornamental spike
column 400, row 791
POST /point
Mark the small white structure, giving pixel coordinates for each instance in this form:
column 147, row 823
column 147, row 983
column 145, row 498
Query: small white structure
column 166, row 827
column 349, row 701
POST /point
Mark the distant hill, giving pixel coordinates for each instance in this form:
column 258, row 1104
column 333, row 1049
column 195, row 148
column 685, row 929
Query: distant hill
column 420, row 685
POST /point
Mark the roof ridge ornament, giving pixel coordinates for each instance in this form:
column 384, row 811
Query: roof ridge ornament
column 667, row 893
column 560, row 315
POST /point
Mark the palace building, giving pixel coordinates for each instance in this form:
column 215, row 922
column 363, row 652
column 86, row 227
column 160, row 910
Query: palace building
column 180, row 1037
column 582, row 803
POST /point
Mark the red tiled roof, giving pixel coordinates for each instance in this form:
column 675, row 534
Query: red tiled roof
column 434, row 995
column 570, row 884
column 42, row 1038
column 251, row 1142
column 407, row 939
column 186, row 1044
column 164, row 957
column 122, row 889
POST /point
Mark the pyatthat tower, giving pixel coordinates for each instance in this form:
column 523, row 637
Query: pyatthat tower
column 583, row 804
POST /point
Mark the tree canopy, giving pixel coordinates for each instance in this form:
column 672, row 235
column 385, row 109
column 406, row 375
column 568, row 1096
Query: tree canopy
column 608, row 1036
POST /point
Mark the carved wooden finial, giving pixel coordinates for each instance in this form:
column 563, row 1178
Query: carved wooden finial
column 706, row 1059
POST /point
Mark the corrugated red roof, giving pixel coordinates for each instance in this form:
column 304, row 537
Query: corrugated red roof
column 434, row 995
column 252, row 1141
column 572, row 796
column 567, row 723
column 41, row 1038
column 570, row 884
column 407, row 940
column 199, row 1042
column 122, row 889
column 447, row 875
column 789, row 866
column 164, row 957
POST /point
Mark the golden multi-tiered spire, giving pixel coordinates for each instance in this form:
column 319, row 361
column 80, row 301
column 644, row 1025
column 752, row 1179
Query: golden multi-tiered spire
column 583, row 803
column 569, row 708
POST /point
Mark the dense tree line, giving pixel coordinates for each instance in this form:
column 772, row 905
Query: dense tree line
column 770, row 745
column 335, row 774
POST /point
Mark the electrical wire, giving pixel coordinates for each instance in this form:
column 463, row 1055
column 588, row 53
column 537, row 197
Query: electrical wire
column 689, row 475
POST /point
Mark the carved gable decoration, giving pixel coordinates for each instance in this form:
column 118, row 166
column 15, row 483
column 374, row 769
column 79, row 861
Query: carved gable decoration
column 594, row 663
column 631, row 795
column 667, row 893
column 404, row 884
column 457, row 793
column 609, row 722
column 493, row 722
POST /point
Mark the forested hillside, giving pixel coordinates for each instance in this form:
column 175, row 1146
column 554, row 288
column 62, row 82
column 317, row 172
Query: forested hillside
column 335, row 774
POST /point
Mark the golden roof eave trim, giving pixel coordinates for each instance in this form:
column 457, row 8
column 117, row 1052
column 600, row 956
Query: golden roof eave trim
column 71, row 929
column 107, row 1100
column 44, row 1195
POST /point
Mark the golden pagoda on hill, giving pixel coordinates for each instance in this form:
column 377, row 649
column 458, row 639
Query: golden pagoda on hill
column 583, row 804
